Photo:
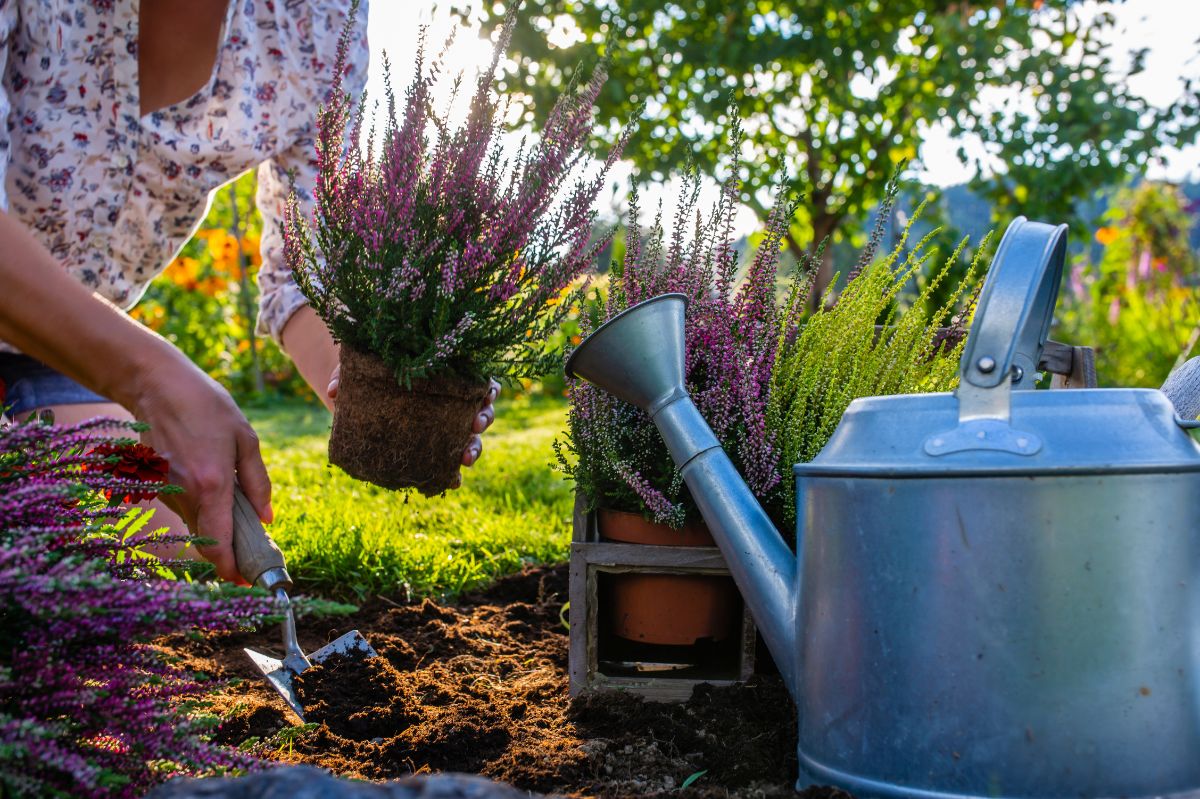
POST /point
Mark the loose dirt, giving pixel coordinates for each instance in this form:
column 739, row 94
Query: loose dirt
column 481, row 687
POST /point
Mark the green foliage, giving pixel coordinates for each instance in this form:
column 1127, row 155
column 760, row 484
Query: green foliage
column 347, row 539
column 1138, row 305
column 206, row 301
column 840, row 354
column 840, row 93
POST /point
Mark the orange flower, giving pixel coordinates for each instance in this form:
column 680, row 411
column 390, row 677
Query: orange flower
column 184, row 272
column 212, row 285
column 152, row 317
column 1106, row 235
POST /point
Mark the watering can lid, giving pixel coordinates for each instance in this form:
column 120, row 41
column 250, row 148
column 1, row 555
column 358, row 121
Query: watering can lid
column 995, row 422
column 1085, row 431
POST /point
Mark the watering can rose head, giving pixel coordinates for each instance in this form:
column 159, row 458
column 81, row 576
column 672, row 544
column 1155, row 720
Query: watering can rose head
column 436, row 250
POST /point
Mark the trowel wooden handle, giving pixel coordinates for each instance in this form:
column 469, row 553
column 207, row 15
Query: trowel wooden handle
column 259, row 560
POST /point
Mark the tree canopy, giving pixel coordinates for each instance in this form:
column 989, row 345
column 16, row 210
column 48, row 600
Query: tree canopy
column 839, row 94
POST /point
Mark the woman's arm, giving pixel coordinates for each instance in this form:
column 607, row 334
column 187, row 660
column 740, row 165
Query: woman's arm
column 194, row 422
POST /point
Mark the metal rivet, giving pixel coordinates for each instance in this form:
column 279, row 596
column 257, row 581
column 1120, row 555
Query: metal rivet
column 981, row 435
column 1022, row 442
column 1018, row 374
column 937, row 442
column 986, row 364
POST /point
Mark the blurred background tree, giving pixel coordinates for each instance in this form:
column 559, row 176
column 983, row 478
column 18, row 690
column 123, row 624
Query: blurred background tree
column 840, row 94
column 206, row 301
column 1138, row 303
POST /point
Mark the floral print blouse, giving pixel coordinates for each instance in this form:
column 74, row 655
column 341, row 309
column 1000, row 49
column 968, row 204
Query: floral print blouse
column 114, row 195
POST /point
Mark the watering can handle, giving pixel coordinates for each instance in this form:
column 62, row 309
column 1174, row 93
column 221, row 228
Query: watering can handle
column 1012, row 318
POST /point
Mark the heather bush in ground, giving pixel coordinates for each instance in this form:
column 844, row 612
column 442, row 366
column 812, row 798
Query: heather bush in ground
column 87, row 707
column 436, row 252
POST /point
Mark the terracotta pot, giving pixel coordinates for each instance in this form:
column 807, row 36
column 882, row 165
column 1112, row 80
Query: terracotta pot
column 401, row 438
column 674, row 609
column 633, row 528
column 671, row 609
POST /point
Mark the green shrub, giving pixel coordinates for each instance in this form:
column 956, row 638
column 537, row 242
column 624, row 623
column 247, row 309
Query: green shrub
column 1138, row 304
column 840, row 354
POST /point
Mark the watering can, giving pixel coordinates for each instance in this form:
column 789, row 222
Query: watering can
column 995, row 592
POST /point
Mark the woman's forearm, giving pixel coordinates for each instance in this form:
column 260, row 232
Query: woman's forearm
column 307, row 341
column 47, row 314
column 193, row 422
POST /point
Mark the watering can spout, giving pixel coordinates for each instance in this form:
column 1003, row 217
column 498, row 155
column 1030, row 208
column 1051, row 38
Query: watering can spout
column 638, row 356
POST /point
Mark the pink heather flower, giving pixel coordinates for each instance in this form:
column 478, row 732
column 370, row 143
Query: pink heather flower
column 439, row 225
column 1143, row 267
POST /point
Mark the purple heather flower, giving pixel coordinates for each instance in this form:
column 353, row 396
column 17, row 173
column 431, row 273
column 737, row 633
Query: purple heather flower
column 87, row 707
column 437, row 226
column 732, row 335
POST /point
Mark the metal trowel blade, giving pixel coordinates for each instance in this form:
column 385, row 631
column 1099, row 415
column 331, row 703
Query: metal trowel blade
column 281, row 674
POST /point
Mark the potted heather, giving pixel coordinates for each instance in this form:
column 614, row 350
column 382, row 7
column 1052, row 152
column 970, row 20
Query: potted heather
column 437, row 263
column 866, row 344
column 613, row 451
column 771, row 380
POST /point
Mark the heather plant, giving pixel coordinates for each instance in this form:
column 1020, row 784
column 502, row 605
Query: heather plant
column 612, row 449
column 864, row 345
column 87, row 706
column 437, row 253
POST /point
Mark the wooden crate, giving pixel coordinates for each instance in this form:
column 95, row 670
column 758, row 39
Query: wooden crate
column 595, row 656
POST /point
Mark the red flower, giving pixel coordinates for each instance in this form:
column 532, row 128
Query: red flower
column 134, row 462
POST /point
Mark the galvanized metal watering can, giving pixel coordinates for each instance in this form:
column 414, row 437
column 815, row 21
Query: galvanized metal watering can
column 996, row 592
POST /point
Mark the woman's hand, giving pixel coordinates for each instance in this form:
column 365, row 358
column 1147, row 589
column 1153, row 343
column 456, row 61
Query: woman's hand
column 198, row 428
column 483, row 420
column 194, row 422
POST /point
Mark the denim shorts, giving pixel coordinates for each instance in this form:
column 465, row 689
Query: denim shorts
column 29, row 384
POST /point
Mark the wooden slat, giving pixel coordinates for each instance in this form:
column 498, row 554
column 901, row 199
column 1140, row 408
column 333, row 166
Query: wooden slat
column 621, row 557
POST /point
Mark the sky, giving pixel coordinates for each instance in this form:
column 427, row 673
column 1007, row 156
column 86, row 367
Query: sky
column 1169, row 28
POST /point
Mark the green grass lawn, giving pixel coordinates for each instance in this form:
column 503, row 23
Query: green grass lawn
column 347, row 539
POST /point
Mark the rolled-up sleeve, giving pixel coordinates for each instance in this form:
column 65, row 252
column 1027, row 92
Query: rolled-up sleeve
column 8, row 23
column 295, row 169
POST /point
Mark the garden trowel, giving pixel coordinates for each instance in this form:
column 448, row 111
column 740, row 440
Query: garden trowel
column 261, row 563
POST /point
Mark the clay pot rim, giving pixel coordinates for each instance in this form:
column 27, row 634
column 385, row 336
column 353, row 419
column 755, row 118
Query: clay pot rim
column 643, row 531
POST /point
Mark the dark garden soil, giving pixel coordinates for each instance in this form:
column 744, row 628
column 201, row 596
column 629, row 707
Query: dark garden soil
column 481, row 687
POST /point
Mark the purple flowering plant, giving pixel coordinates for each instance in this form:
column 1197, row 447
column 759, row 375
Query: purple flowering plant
column 88, row 708
column 771, row 378
column 437, row 253
column 611, row 449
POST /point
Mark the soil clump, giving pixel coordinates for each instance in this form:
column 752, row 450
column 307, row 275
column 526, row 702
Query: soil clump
column 401, row 437
column 481, row 687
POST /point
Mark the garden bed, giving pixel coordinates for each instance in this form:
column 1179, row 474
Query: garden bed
column 481, row 687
